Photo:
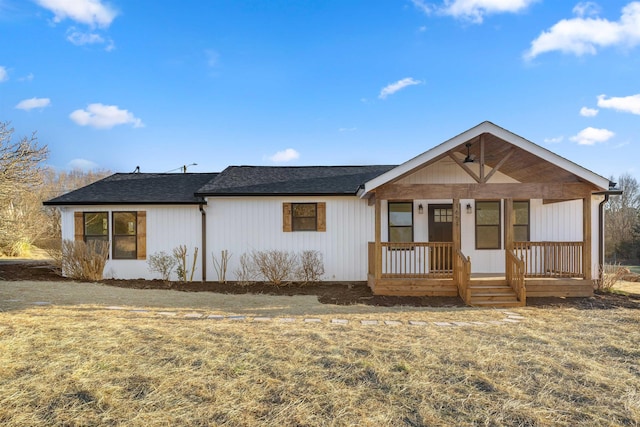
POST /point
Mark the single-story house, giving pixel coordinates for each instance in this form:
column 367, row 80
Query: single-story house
column 487, row 215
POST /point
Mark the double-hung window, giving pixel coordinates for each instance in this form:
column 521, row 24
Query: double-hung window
column 95, row 226
column 400, row 222
column 488, row 224
column 304, row 216
column 124, row 235
column 521, row 221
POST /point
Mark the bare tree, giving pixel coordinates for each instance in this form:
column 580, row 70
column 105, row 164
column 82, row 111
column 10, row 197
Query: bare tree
column 623, row 221
column 21, row 165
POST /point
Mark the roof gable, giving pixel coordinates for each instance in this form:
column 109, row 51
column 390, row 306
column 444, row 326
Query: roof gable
column 138, row 188
column 545, row 165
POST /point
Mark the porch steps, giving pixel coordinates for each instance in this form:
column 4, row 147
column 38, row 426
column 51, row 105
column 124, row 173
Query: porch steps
column 492, row 293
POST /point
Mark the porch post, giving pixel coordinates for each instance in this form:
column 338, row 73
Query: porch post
column 378, row 246
column 456, row 225
column 586, row 237
column 508, row 224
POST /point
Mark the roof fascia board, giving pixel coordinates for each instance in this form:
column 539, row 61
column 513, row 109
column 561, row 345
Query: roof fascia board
column 195, row 203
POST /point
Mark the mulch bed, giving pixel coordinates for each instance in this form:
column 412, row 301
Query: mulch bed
column 327, row 292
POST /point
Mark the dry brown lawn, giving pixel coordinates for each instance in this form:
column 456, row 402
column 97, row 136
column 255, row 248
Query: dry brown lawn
column 80, row 364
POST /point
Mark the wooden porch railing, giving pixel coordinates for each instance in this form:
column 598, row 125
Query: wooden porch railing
column 415, row 260
column 550, row 259
column 514, row 273
column 462, row 275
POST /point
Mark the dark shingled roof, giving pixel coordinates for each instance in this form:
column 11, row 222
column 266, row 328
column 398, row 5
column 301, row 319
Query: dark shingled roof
column 138, row 188
column 302, row 180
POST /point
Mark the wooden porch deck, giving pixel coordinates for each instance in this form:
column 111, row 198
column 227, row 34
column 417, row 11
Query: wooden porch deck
column 553, row 270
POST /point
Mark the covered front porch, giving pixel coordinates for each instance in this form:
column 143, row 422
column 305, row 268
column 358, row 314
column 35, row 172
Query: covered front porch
column 522, row 223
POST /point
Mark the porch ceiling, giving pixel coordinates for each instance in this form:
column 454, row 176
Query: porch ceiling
column 521, row 165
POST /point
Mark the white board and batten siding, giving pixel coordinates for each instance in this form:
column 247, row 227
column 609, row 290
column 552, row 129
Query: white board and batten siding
column 168, row 226
column 245, row 224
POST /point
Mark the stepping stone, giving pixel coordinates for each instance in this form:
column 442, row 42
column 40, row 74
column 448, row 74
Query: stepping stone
column 115, row 307
column 286, row 320
column 417, row 323
column 495, row 322
column 237, row 317
column 516, row 317
column 339, row 321
column 215, row 317
column 461, row 323
column 392, row 323
column 369, row 322
column 478, row 323
column 442, row 324
column 511, row 320
column 41, row 303
column 312, row 320
column 167, row 313
column 12, row 300
column 192, row 316
column 138, row 310
column 262, row 319
column 510, row 313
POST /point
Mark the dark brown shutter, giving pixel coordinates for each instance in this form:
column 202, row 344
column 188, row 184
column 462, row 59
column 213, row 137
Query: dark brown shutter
column 321, row 211
column 78, row 225
column 286, row 217
column 141, row 229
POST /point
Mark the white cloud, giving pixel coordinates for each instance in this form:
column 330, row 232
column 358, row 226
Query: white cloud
column 583, row 35
column 30, row 104
column 284, row 156
column 27, row 78
column 554, row 140
column 591, row 136
column 588, row 112
column 475, row 10
column 82, row 164
column 79, row 38
column 4, row 75
column 104, row 117
column 627, row 104
column 392, row 88
column 90, row 12
column 587, row 8
column 424, row 7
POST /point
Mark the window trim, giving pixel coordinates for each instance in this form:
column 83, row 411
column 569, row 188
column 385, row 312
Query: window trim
column 528, row 224
column 114, row 236
column 498, row 225
column 389, row 226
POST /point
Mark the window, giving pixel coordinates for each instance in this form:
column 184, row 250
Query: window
column 304, row 216
column 95, row 226
column 488, row 225
column 400, row 222
column 124, row 235
column 521, row 221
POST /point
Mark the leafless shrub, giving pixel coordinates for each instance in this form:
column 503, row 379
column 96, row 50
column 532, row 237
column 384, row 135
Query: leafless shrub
column 275, row 266
column 84, row 261
column 163, row 264
column 610, row 275
column 310, row 267
column 221, row 266
column 246, row 273
column 180, row 255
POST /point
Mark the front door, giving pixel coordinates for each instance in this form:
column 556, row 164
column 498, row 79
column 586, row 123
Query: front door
column 440, row 230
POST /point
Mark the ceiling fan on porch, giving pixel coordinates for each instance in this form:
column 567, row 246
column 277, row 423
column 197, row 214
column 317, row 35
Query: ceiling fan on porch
column 470, row 158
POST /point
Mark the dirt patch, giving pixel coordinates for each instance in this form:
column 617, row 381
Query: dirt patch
column 326, row 292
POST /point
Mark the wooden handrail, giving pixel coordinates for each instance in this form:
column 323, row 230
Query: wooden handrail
column 515, row 269
column 462, row 275
column 551, row 259
column 426, row 260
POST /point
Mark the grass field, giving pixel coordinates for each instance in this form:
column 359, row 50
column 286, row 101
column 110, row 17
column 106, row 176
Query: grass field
column 84, row 365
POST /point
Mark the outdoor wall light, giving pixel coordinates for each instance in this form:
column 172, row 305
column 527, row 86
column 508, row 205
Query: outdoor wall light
column 420, row 209
column 469, row 209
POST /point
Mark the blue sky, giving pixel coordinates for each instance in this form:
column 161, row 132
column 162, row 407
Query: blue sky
column 120, row 84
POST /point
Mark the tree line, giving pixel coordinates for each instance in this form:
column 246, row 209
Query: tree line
column 26, row 182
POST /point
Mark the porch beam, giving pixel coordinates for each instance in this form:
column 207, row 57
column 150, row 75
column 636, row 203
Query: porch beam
column 586, row 237
column 485, row 191
column 464, row 166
